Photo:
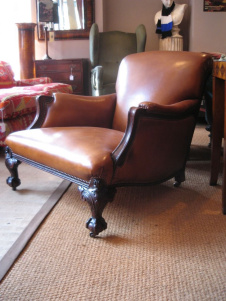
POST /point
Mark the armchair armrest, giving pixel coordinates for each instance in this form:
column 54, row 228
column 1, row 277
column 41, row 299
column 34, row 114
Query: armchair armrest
column 144, row 117
column 179, row 109
column 97, row 78
column 64, row 110
column 33, row 81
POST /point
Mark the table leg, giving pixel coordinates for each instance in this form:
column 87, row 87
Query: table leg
column 217, row 128
column 224, row 166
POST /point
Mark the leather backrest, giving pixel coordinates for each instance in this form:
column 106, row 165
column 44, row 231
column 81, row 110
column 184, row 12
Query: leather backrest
column 163, row 77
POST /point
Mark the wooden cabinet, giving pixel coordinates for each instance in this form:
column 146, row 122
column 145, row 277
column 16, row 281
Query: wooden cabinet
column 74, row 72
column 26, row 49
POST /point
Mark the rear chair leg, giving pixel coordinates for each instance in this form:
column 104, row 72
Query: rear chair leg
column 97, row 196
column 179, row 178
column 12, row 165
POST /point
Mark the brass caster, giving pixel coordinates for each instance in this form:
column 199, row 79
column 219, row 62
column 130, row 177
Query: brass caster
column 91, row 234
column 176, row 184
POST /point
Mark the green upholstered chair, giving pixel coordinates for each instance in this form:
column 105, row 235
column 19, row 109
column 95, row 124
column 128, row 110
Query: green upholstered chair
column 107, row 49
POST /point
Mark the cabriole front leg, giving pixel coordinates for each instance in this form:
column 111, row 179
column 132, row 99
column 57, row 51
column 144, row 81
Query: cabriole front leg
column 12, row 165
column 97, row 196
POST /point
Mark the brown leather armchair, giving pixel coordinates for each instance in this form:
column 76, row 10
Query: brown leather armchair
column 139, row 136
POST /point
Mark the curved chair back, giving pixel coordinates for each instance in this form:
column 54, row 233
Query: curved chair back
column 107, row 49
column 158, row 78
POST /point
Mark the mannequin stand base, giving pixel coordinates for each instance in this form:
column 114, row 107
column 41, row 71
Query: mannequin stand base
column 171, row 44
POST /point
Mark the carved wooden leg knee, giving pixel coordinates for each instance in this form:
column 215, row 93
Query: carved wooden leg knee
column 12, row 165
column 179, row 178
column 97, row 196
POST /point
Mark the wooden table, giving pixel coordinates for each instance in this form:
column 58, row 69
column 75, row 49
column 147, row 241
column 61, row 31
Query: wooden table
column 219, row 126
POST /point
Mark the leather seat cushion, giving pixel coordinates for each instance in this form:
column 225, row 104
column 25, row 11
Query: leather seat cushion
column 82, row 152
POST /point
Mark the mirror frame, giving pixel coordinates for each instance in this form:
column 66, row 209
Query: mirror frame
column 73, row 33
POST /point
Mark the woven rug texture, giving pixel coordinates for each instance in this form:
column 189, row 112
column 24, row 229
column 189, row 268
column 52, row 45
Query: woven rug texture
column 162, row 243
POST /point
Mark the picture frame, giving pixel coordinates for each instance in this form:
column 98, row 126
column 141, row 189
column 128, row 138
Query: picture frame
column 45, row 11
column 214, row 5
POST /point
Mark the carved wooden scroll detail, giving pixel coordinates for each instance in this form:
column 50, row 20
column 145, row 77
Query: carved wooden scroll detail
column 97, row 196
column 12, row 165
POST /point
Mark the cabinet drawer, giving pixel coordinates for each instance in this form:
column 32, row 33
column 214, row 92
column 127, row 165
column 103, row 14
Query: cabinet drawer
column 62, row 76
column 58, row 67
column 60, row 71
column 76, row 87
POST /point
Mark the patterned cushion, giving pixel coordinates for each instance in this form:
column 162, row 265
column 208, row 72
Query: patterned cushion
column 18, row 101
column 16, row 124
column 34, row 81
column 6, row 75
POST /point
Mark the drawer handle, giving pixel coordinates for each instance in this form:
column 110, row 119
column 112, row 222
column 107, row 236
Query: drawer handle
column 42, row 67
column 74, row 66
column 72, row 76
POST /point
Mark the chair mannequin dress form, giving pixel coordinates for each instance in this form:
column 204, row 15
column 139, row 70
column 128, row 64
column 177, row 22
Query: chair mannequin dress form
column 175, row 41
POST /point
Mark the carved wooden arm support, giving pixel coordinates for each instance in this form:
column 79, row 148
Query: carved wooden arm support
column 42, row 104
column 153, row 111
column 74, row 110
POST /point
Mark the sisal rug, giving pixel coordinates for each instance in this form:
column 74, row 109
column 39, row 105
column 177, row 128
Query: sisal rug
column 162, row 243
column 22, row 211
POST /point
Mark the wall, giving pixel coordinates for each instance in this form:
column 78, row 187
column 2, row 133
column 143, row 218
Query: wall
column 207, row 32
column 68, row 48
column 125, row 15
column 202, row 31
column 12, row 12
column 122, row 15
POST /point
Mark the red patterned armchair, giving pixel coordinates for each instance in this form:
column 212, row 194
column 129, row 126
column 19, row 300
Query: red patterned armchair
column 17, row 99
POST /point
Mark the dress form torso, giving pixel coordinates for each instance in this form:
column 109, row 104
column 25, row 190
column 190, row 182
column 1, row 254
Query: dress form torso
column 177, row 14
column 174, row 43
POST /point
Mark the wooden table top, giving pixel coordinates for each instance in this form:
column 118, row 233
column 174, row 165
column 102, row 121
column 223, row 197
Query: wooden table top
column 219, row 69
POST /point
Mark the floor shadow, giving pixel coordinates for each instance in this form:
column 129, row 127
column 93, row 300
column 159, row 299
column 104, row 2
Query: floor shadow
column 199, row 153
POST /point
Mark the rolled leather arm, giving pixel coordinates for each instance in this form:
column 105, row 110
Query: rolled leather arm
column 75, row 110
column 177, row 109
column 164, row 113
